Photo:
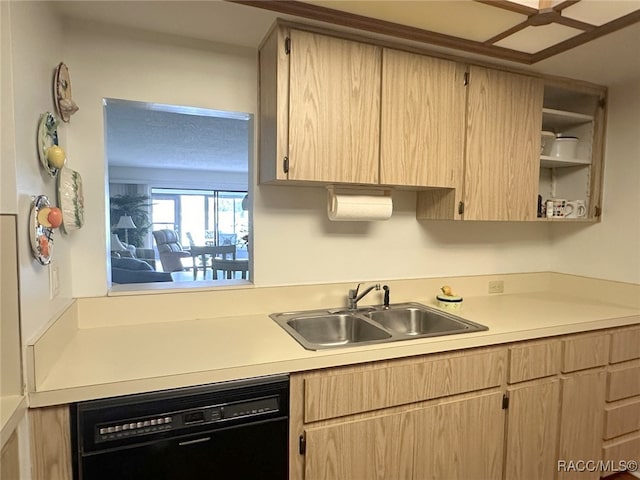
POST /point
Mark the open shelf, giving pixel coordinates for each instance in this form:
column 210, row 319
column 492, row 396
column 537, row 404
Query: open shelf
column 555, row 162
column 567, row 220
column 560, row 119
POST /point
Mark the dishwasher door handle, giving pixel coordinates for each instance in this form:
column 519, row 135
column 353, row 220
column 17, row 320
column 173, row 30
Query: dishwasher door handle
column 191, row 442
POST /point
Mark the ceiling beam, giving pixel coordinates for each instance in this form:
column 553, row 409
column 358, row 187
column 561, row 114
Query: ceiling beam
column 507, row 33
column 570, row 22
column 374, row 25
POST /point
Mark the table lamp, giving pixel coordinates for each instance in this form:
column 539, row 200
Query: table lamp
column 126, row 223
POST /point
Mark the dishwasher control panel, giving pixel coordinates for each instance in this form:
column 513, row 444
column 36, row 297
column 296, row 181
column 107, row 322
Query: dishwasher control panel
column 211, row 414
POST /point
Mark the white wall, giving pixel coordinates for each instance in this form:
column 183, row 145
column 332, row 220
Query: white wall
column 296, row 243
column 130, row 65
column 8, row 195
column 36, row 48
column 611, row 249
column 293, row 242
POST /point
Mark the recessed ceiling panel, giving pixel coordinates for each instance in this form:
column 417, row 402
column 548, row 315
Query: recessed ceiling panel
column 536, row 3
column 600, row 12
column 458, row 18
column 534, row 39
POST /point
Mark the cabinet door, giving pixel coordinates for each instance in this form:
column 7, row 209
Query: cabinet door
column 376, row 448
column 504, row 115
column 422, row 131
column 581, row 421
column 532, row 427
column 460, row 440
column 334, row 109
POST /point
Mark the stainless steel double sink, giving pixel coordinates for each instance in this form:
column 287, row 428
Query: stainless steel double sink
column 320, row 329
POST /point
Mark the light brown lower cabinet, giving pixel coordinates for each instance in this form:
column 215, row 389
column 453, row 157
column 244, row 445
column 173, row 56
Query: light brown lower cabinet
column 461, row 439
column 532, row 430
column 581, row 421
column 375, row 448
column 50, row 433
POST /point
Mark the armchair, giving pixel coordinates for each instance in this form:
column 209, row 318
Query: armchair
column 170, row 250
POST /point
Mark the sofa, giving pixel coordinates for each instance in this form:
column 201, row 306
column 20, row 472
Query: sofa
column 133, row 270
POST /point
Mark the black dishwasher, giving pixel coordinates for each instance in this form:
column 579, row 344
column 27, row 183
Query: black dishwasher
column 229, row 430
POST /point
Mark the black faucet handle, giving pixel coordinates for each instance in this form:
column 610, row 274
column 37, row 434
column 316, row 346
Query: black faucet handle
column 386, row 295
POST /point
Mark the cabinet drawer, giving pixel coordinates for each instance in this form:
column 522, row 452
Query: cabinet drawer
column 533, row 360
column 622, row 419
column 625, row 344
column 345, row 391
column 626, row 449
column 585, row 351
column 623, row 382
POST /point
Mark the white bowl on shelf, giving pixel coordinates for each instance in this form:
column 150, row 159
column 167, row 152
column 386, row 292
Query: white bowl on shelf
column 564, row 147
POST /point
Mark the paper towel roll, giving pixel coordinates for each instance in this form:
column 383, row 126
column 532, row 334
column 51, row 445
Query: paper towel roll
column 359, row 207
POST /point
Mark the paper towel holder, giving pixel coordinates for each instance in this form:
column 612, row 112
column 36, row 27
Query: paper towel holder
column 338, row 189
column 367, row 197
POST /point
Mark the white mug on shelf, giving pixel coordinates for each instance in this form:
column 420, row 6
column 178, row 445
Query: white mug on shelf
column 575, row 209
column 556, row 208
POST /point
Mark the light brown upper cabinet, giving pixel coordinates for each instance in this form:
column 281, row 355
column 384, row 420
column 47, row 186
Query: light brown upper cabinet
column 422, row 126
column 504, row 114
column 319, row 108
column 501, row 162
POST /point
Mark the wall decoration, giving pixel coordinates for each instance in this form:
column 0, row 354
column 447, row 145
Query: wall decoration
column 62, row 93
column 71, row 199
column 42, row 221
column 51, row 155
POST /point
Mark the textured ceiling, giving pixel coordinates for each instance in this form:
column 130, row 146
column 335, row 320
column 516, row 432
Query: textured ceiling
column 150, row 135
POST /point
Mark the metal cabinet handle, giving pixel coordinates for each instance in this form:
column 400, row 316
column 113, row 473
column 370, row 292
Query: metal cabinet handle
column 191, row 442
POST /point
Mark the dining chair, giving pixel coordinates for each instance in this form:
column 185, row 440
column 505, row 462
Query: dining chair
column 230, row 267
column 190, row 238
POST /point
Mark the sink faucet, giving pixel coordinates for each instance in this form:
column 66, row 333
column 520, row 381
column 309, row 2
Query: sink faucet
column 353, row 298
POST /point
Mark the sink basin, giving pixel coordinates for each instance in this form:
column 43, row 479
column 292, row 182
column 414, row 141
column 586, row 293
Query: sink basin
column 415, row 321
column 326, row 331
column 320, row 329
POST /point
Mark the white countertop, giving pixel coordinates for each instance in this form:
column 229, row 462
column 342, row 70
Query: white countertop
column 118, row 360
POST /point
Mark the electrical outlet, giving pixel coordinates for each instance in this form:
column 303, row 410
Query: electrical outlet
column 496, row 286
column 54, row 280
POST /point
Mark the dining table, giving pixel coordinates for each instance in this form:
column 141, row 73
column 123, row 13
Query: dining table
column 222, row 253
